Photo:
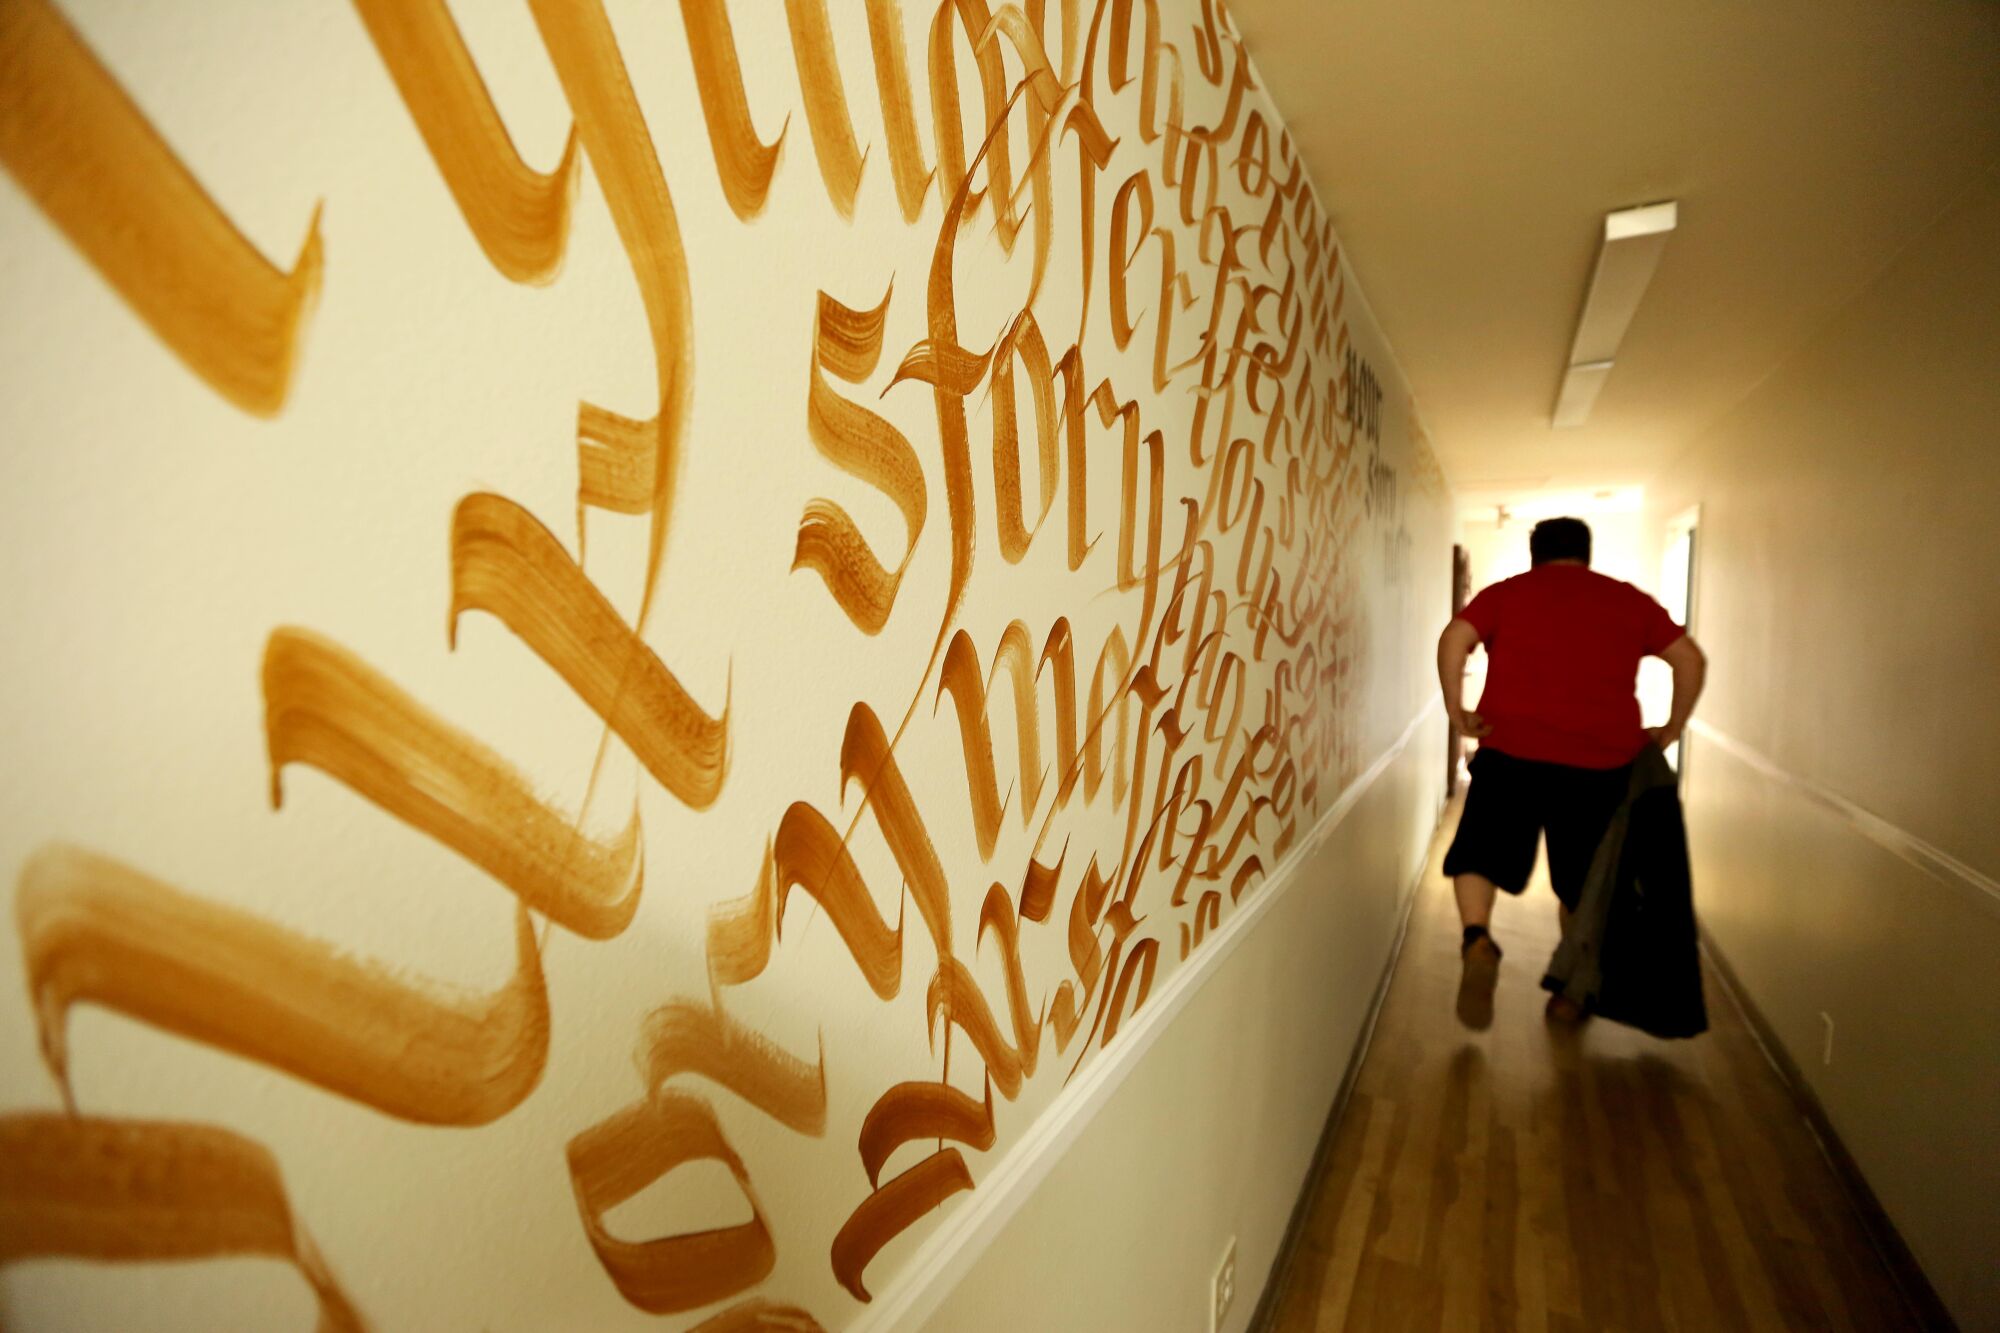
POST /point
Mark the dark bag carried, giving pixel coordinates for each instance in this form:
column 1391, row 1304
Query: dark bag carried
column 1629, row 952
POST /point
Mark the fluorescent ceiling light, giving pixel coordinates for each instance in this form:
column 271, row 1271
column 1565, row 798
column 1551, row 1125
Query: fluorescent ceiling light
column 1633, row 239
column 1579, row 392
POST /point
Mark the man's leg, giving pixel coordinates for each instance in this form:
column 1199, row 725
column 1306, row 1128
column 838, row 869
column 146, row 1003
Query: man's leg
column 1478, row 955
column 1584, row 802
column 1581, row 804
column 1475, row 898
column 1493, row 849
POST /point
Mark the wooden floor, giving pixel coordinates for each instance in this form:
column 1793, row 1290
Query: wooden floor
column 1531, row 1178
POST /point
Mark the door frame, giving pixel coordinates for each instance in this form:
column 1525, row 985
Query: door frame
column 1685, row 523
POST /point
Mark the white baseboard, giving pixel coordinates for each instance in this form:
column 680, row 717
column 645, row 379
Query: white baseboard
column 945, row 1256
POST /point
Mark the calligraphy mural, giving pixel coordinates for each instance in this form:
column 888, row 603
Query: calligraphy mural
column 634, row 630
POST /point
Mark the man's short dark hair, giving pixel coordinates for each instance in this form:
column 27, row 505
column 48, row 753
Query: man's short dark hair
column 1559, row 539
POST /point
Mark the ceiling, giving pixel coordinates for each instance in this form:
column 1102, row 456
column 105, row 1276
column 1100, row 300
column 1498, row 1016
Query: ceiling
column 1468, row 153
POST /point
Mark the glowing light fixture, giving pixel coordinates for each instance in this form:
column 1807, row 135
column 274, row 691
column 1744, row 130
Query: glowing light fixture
column 1633, row 239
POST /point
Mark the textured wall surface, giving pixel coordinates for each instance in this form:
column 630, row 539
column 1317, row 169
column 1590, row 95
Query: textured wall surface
column 1209, row 1140
column 632, row 631
column 1840, row 804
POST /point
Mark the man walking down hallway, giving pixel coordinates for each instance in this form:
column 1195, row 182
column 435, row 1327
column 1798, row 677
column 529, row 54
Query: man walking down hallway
column 1558, row 726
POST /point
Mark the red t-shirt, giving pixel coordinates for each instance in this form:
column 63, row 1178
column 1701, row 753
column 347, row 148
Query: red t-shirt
column 1563, row 645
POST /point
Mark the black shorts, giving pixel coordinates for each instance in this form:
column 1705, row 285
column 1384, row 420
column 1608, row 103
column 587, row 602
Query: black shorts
column 1512, row 802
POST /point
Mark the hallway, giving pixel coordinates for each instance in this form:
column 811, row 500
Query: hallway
column 1525, row 1178
column 723, row 666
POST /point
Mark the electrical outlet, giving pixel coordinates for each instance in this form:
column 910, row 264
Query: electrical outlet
column 1826, row 1045
column 1224, row 1289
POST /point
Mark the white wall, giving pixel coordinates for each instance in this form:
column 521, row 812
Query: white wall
column 1211, row 1137
column 1621, row 541
column 1840, row 797
column 325, row 1017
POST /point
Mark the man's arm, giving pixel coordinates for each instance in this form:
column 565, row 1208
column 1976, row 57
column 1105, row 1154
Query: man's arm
column 1455, row 645
column 1690, row 666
